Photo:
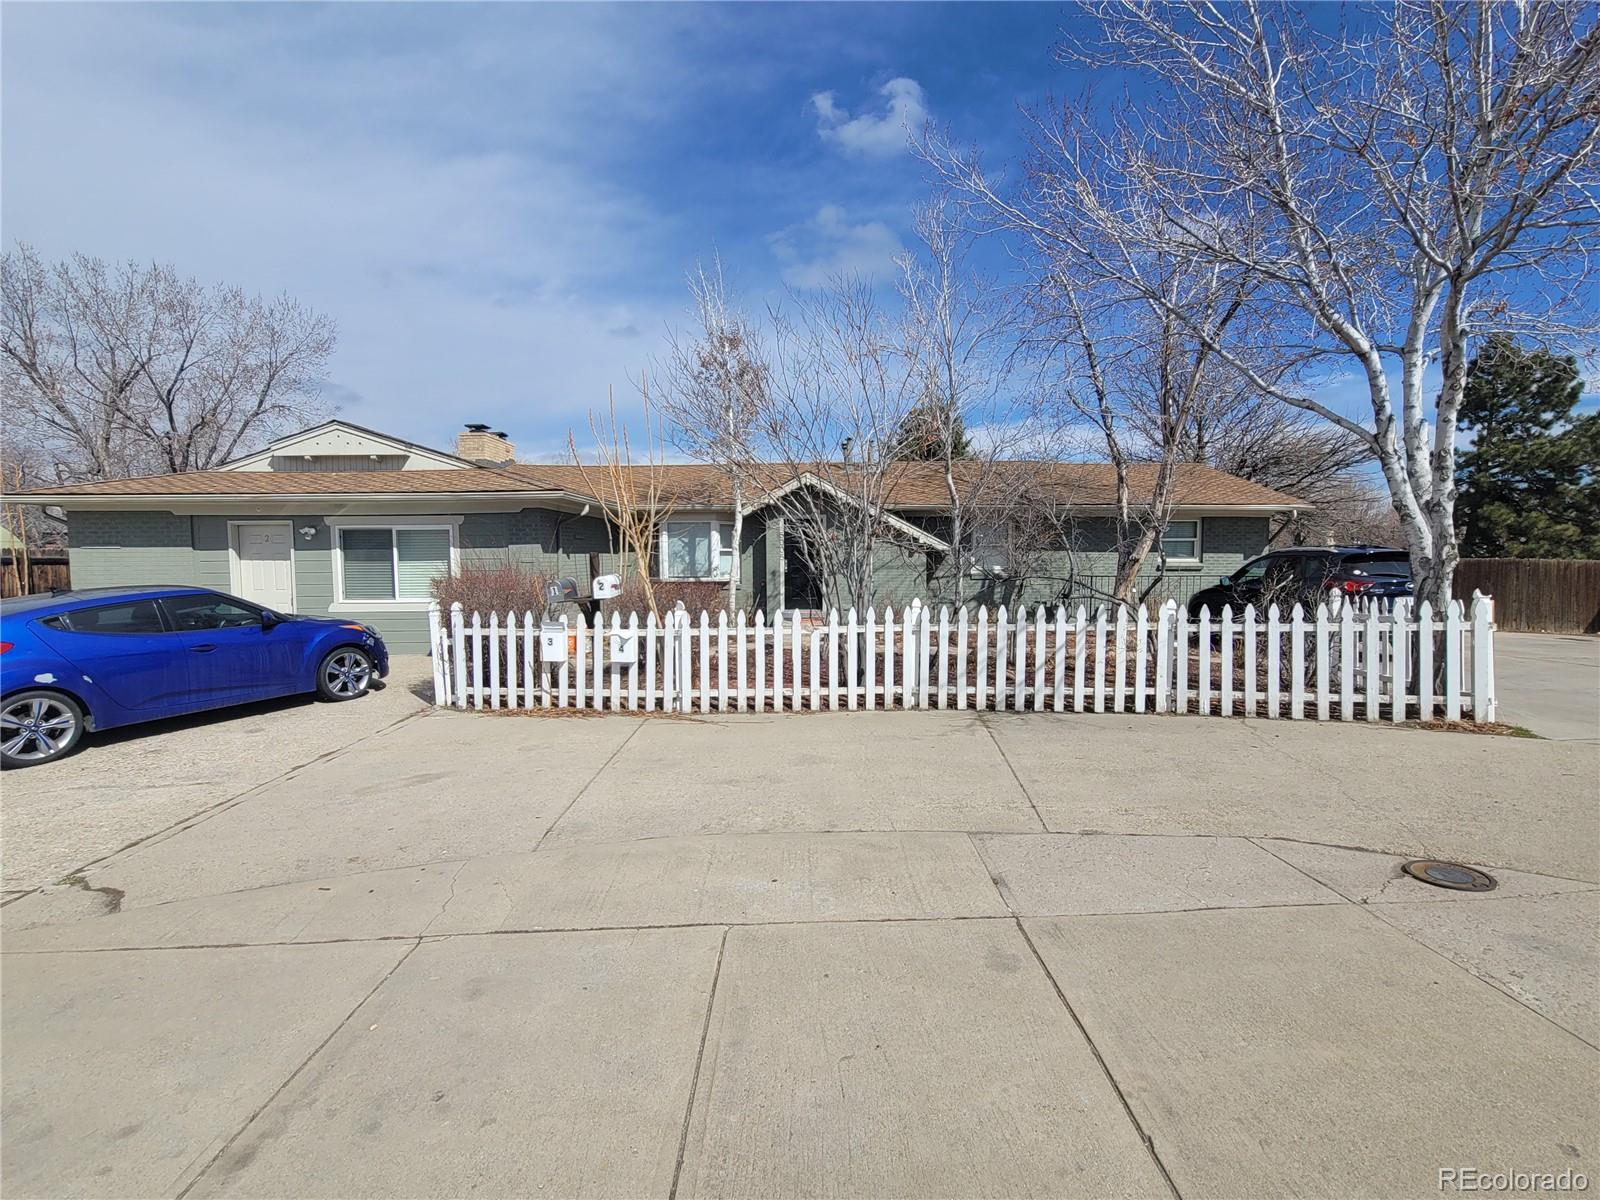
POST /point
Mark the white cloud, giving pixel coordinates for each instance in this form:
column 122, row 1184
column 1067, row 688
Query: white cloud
column 881, row 134
column 828, row 245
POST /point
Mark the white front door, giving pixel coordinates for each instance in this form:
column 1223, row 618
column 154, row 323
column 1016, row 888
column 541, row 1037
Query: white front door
column 266, row 568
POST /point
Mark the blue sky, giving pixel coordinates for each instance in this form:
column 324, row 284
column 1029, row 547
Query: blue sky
column 496, row 203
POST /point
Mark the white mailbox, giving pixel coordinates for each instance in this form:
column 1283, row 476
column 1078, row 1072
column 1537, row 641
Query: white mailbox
column 624, row 648
column 606, row 587
column 553, row 642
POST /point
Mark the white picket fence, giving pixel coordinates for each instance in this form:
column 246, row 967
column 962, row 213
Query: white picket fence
column 1333, row 663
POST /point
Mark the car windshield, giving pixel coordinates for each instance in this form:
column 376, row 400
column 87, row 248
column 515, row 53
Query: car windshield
column 1391, row 565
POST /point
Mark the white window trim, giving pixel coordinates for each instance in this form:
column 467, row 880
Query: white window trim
column 236, row 576
column 717, row 548
column 337, row 528
column 1199, row 542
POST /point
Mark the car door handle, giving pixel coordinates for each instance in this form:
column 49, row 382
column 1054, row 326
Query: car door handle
column 205, row 649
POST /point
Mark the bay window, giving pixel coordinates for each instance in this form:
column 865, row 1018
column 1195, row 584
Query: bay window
column 697, row 550
column 389, row 563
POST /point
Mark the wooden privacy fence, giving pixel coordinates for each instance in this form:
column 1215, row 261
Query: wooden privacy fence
column 43, row 573
column 1334, row 663
column 1537, row 595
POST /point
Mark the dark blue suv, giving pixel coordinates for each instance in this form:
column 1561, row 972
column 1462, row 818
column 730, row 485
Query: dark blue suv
column 103, row 657
column 1306, row 574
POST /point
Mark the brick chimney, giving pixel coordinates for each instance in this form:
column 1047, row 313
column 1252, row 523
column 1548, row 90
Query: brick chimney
column 477, row 443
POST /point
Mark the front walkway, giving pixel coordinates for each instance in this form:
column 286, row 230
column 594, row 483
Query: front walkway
column 927, row 954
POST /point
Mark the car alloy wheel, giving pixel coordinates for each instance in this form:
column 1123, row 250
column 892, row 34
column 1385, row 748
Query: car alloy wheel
column 36, row 728
column 347, row 673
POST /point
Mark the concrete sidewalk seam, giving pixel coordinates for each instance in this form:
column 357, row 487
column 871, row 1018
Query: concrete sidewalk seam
column 295, row 1074
column 199, row 818
column 710, row 924
column 1022, row 787
column 994, row 880
column 1376, row 911
column 610, row 758
column 699, row 1059
column 1105, row 1067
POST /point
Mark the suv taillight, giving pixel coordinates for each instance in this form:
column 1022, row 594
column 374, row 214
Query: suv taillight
column 1352, row 586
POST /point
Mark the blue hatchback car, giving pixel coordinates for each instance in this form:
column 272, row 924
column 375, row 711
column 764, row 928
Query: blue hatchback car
column 103, row 657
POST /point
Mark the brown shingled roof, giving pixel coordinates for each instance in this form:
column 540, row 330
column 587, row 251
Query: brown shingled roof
column 912, row 484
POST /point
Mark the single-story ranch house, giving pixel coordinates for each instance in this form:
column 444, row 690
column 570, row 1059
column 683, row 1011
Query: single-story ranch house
column 342, row 520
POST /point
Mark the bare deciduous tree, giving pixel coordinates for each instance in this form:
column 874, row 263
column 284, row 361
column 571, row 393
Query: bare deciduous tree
column 711, row 390
column 1140, row 376
column 955, row 337
column 122, row 370
column 1239, row 430
column 1392, row 188
column 842, row 385
column 631, row 493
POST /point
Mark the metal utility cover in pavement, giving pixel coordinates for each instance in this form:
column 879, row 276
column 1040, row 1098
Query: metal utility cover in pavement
column 1450, row 875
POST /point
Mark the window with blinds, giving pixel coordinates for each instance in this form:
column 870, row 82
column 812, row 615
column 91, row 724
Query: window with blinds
column 392, row 564
column 421, row 556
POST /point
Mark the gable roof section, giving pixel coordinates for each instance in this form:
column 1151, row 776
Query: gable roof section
column 914, row 485
column 287, row 443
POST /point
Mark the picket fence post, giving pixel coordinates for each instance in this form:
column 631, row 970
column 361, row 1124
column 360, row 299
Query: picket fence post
column 1060, row 696
column 961, row 657
column 1373, row 654
column 458, row 663
column 1225, row 697
column 761, row 661
column 1080, row 652
column 1002, row 644
column 1274, row 662
column 1324, row 690
column 1019, row 660
column 852, row 661
column 1252, row 684
column 1483, row 703
column 441, row 694
column 722, row 660
column 1297, row 663
column 529, row 671
column 1141, row 659
column 1203, row 645
column 1399, row 639
column 1180, row 654
column 1119, row 693
column 981, row 683
column 1100, row 659
column 870, row 669
column 1452, row 661
column 944, row 657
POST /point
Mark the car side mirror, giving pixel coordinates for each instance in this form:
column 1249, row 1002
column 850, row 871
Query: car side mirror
column 1225, row 580
column 269, row 619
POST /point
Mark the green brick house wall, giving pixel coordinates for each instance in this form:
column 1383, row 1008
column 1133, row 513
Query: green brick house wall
column 110, row 548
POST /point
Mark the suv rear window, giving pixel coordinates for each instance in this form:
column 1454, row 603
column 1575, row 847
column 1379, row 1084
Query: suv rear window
column 1390, row 565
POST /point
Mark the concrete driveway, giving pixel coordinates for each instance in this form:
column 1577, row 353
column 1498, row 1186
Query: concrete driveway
column 1549, row 683
column 857, row 954
column 127, row 784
